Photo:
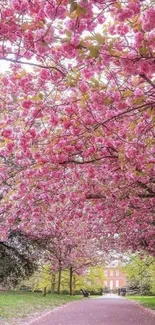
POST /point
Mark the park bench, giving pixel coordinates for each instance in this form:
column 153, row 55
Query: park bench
column 85, row 293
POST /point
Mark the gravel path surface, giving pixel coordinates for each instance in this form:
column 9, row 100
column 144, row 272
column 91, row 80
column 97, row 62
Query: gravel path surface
column 106, row 311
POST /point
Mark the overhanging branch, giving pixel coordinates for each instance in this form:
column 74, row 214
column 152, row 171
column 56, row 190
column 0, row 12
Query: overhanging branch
column 33, row 64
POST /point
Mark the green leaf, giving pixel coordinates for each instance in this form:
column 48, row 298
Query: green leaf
column 99, row 38
column 73, row 5
column 95, row 82
column 127, row 93
column 94, row 51
column 80, row 10
column 143, row 50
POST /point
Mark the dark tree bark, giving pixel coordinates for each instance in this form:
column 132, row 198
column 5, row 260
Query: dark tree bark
column 71, row 281
column 44, row 292
column 53, row 282
column 59, row 279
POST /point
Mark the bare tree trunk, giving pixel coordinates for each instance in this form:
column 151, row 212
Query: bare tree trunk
column 44, row 292
column 33, row 285
column 52, row 282
column 74, row 284
column 71, row 281
column 141, row 288
column 59, row 279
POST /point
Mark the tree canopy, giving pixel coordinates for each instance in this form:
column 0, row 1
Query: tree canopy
column 77, row 107
column 17, row 259
column 140, row 271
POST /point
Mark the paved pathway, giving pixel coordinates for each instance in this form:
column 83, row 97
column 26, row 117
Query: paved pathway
column 107, row 311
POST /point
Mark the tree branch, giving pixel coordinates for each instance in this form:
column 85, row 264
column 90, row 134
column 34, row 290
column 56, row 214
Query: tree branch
column 33, row 64
column 95, row 197
column 147, row 79
column 87, row 161
column 115, row 117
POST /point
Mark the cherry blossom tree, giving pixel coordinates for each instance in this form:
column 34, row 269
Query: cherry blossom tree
column 67, row 247
column 77, row 118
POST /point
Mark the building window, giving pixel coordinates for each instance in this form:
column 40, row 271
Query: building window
column 117, row 272
column 111, row 284
column 111, row 273
column 117, row 283
column 105, row 272
column 106, row 283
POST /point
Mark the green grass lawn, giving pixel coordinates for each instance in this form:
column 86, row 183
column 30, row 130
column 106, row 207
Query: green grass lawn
column 146, row 301
column 20, row 305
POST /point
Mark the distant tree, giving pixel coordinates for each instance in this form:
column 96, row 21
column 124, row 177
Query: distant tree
column 140, row 272
column 67, row 248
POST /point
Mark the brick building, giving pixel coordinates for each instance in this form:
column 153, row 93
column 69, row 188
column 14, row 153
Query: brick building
column 114, row 278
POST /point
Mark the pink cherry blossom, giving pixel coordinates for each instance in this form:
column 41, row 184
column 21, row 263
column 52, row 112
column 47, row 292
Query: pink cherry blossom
column 125, row 13
column 122, row 29
column 27, row 104
column 83, row 87
column 7, row 133
column 138, row 92
column 45, row 74
column 148, row 21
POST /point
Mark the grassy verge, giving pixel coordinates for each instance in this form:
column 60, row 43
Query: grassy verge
column 17, row 305
column 145, row 301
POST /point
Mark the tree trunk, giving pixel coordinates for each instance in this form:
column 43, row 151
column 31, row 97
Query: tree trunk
column 44, row 292
column 141, row 288
column 33, row 284
column 74, row 284
column 59, row 279
column 71, row 281
column 33, row 287
column 52, row 282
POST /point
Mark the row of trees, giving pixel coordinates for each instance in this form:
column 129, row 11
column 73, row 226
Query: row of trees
column 66, row 248
column 69, row 247
column 77, row 130
column 92, row 279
